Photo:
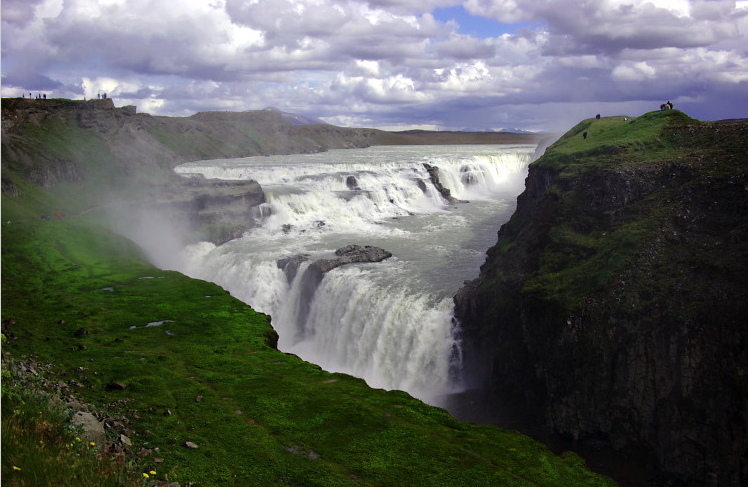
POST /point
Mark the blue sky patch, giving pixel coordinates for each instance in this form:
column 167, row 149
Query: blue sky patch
column 479, row 27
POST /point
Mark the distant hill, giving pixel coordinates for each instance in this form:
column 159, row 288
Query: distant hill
column 295, row 118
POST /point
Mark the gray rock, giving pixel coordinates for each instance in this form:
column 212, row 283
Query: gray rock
column 190, row 445
column 351, row 254
column 445, row 192
column 93, row 430
column 290, row 265
column 352, row 184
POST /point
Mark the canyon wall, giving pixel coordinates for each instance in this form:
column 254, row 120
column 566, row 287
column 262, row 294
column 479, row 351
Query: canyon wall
column 614, row 303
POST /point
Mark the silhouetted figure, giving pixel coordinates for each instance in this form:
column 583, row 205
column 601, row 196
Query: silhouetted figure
column 670, row 104
column 597, row 116
column 584, row 135
column 45, row 96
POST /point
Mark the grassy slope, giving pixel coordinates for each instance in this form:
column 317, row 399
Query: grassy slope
column 585, row 249
column 265, row 418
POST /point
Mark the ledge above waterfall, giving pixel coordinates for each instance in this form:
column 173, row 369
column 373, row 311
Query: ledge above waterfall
column 351, row 254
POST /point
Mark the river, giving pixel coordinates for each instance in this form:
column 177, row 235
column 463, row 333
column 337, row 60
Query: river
column 391, row 322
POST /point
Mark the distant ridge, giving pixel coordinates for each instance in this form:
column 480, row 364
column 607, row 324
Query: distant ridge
column 733, row 120
column 516, row 131
column 297, row 119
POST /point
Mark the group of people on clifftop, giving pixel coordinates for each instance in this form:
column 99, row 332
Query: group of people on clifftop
column 667, row 106
column 43, row 96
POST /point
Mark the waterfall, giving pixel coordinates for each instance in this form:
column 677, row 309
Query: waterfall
column 388, row 322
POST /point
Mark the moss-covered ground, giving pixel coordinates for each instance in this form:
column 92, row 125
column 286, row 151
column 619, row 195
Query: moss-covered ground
column 82, row 298
column 586, row 245
column 198, row 366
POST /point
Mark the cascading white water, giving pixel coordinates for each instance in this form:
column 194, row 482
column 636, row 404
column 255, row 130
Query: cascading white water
column 388, row 322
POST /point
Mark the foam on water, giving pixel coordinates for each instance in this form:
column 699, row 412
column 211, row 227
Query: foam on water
column 389, row 322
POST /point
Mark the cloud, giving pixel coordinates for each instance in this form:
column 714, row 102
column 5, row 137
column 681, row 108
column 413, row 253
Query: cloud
column 383, row 62
column 31, row 81
column 592, row 26
column 19, row 12
column 629, row 71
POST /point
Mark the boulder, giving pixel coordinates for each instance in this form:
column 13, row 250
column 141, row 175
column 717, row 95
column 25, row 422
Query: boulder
column 352, row 254
column 93, row 430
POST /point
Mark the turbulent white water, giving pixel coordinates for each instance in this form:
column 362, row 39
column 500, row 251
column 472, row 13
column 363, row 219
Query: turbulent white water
column 389, row 322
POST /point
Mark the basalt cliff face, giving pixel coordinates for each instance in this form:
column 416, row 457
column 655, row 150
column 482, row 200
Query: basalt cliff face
column 614, row 303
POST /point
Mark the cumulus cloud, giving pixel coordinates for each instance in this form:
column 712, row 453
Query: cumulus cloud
column 384, row 62
column 629, row 71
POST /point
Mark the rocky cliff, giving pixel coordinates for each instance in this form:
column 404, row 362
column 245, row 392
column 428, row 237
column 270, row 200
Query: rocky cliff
column 125, row 159
column 614, row 303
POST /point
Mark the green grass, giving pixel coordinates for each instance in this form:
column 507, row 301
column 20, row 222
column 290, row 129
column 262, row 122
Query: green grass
column 635, row 140
column 580, row 248
column 264, row 418
column 41, row 447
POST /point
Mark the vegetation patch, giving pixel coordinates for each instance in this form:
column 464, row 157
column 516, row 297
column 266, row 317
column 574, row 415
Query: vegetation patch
column 207, row 398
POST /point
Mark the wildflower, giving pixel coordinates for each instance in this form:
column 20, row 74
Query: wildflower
column 16, row 468
column 93, row 443
column 77, row 439
column 152, row 472
column 145, row 475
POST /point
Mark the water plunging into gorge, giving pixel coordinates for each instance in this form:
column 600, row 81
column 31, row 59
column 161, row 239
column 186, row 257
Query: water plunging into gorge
column 388, row 322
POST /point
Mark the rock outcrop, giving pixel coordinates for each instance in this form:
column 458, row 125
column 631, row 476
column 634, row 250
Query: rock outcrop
column 614, row 301
column 351, row 254
column 214, row 210
column 434, row 178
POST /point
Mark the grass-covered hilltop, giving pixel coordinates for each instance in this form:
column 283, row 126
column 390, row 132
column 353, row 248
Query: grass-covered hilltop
column 615, row 302
column 176, row 380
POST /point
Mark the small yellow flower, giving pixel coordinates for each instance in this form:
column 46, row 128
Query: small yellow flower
column 152, row 472
column 77, row 439
column 93, row 443
column 145, row 475
column 16, row 468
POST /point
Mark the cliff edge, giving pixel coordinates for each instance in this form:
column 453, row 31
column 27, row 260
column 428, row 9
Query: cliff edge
column 614, row 301
column 125, row 160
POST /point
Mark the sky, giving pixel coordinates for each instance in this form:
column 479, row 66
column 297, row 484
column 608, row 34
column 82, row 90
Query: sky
column 538, row 65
